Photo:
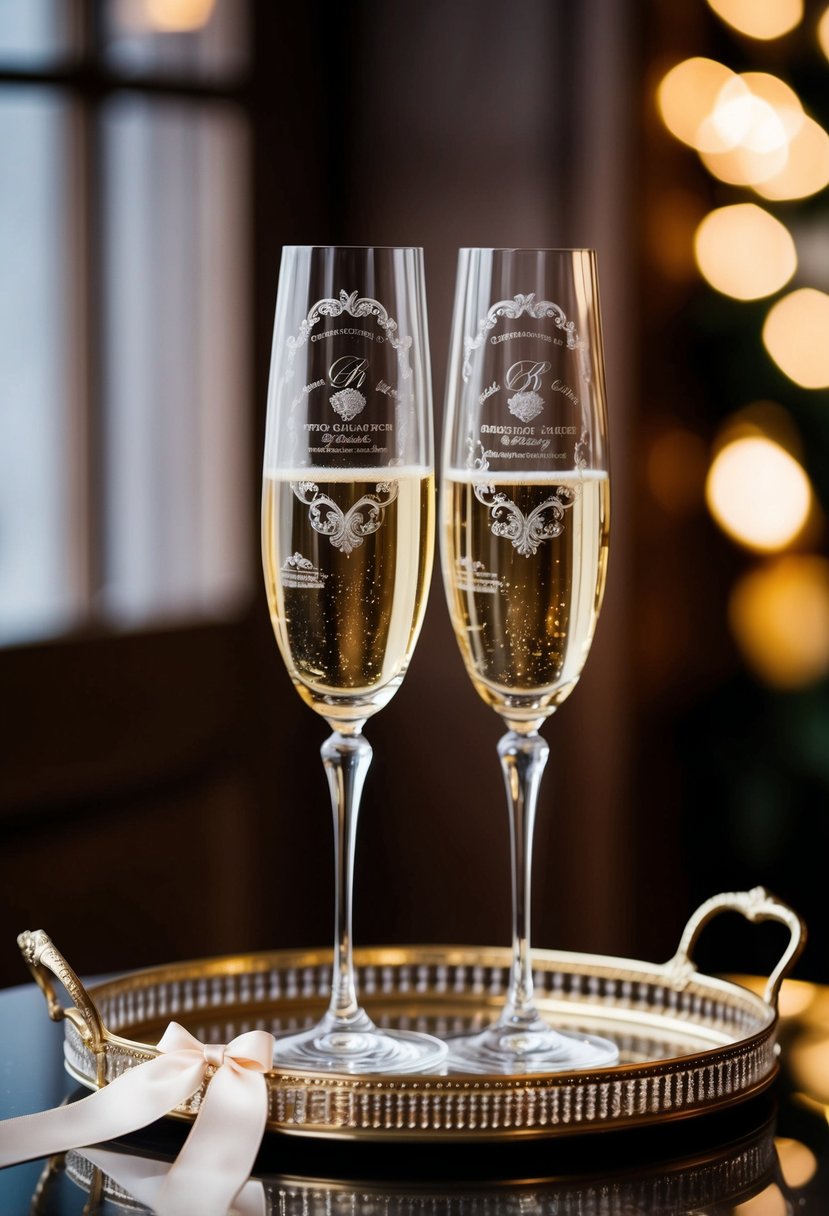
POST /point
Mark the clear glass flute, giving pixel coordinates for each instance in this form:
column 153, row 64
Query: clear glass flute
column 525, row 505
column 348, row 542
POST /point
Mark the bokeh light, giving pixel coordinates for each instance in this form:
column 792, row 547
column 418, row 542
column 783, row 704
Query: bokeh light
column 823, row 32
column 796, row 335
column 756, row 134
column 808, row 1063
column 744, row 252
column 179, row 16
column 162, row 16
column 779, row 615
column 781, row 96
column 807, row 166
column 687, row 95
column 749, row 129
column 766, row 418
column 762, row 19
column 743, row 118
column 796, row 997
column 797, row 1161
column 769, row 1202
column 758, row 494
column 743, row 141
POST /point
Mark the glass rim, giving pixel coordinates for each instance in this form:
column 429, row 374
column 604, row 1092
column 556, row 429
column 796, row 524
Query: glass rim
column 526, row 249
column 378, row 248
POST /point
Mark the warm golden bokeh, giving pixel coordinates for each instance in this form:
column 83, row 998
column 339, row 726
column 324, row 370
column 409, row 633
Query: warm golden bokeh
column 687, row 95
column 758, row 493
column 796, row 335
column 767, row 418
column 742, row 118
column 807, row 165
column 823, row 32
column 779, row 615
column 797, row 1162
column 762, row 19
column 769, row 1202
column 744, row 252
column 179, row 16
column 779, row 95
column 753, row 145
column 808, row 1064
column 796, row 997
column 162, row 16
column 749, row 129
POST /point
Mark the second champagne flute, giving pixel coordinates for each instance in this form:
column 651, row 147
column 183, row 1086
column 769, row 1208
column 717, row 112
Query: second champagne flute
column 347, row 538
column 525, row 528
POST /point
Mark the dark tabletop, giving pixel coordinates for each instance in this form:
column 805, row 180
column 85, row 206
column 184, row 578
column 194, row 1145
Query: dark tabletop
column 767, row 1157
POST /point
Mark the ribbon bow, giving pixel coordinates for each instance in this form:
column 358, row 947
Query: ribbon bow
column 217, row 1156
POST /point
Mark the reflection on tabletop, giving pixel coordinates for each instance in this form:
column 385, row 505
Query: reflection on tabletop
column 756, row 1175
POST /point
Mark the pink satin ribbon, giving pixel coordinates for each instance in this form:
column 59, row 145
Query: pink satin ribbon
column 217, row 1156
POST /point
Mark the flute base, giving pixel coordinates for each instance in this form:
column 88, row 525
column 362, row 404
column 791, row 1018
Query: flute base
column 513, row 1047
column 358, row 1046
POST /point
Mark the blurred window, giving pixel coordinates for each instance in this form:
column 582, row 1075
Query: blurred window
column 124, row 246
column 38, row 590
column 36, row 32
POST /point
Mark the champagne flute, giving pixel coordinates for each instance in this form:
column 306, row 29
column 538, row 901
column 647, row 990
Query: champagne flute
column 525, row 522
column 348, row 542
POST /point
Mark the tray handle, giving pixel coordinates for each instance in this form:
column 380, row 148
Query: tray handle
column 756, row 905
column 45, row 961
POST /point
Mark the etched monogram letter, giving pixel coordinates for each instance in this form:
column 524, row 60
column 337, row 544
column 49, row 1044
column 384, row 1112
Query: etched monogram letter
column 526, row 374
column 347, row 371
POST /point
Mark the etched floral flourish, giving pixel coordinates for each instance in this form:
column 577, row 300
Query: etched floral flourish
column 526, row 533
column 345, row 529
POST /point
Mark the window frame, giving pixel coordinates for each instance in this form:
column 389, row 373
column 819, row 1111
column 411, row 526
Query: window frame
column 85, row 83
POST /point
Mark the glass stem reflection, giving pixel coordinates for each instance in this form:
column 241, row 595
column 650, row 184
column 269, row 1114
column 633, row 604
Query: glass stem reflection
column 523, row 758
column 346, row 759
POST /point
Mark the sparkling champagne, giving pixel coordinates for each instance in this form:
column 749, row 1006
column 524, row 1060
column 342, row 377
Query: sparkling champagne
column 525, row 561
column 348, row 557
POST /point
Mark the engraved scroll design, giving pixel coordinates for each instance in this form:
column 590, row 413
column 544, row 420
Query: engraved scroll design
column 517, row 307
column 356, row 306
column 345, row 529
column 513, row 309
column 526, row 533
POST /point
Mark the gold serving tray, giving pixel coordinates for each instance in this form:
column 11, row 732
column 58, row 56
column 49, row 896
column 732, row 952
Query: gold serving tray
column 689, row 1043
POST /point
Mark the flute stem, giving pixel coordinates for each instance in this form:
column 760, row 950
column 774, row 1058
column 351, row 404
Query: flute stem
column 523, row 758
column 346, row 759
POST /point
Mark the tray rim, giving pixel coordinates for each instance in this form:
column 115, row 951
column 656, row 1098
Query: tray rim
column 417, row 955
column 458, row 1083
column 432, row 952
